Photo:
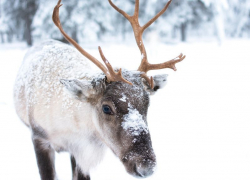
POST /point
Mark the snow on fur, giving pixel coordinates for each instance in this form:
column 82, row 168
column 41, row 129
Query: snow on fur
column 123, row 98
column 43, row 70
column 134, row 123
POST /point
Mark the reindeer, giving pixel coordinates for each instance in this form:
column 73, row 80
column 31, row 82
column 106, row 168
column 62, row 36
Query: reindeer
column 71, row 107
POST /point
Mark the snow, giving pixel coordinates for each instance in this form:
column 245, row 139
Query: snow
column 142, row 56
column 134, row 122
column 123, row 98
column 160, row 80
column 199, row 123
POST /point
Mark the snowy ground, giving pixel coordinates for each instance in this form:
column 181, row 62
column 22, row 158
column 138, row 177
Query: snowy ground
column 200, row 123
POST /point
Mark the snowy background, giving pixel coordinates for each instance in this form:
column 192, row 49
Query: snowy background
column 200, row 122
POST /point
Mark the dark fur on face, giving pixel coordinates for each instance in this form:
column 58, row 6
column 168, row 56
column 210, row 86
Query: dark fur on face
column 135, row 151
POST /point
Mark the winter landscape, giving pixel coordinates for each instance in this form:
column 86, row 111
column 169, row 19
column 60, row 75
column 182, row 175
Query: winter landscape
column 199, row 123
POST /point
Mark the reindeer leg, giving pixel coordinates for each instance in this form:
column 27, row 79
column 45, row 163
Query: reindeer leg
column 76, row 172
column 45, row 157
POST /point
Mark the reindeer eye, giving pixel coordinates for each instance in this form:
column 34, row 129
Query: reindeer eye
column 107, row 110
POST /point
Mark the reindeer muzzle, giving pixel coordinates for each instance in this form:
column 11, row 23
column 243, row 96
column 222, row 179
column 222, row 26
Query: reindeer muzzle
column 139, row 165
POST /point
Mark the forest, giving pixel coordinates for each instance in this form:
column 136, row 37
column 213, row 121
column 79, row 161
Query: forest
column 88, row 21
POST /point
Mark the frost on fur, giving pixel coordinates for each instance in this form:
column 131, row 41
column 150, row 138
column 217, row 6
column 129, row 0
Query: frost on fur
column 134, row 123
column 160, row 80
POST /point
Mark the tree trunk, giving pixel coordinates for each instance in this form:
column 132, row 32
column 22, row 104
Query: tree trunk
column 32, row 7
column 183, row 32
column 10, row 36
column 74, row 33
column 28, row 35
column 2, row 39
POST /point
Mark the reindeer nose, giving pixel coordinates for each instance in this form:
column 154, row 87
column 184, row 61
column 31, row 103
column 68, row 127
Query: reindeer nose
column 140, row 165
column 145, row 167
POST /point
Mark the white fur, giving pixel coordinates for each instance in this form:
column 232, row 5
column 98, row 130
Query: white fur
column 40, row 101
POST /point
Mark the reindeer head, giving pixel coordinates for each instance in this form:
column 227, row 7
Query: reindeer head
column 121, row 99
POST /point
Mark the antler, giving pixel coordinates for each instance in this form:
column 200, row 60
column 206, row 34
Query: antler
column 117, row 76
column 145, row 66
column 109, row 71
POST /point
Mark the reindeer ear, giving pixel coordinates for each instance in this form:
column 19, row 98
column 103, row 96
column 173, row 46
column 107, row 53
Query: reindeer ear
column 159, row 82
column 83, row 89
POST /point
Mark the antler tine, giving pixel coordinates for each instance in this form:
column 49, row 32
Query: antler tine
column 111, row 75
column 137, row 8
column 115, row 76
column 156, row 16
column 119, row 10
column 149, row 80
column 168, row 64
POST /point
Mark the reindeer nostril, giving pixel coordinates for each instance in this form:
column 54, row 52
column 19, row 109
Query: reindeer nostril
column 124, row 159
column 136, row 171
